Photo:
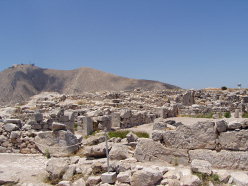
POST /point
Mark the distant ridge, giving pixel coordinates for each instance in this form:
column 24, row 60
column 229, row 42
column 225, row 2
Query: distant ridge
column 20, row 82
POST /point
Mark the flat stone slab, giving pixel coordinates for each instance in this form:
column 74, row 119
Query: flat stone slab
column 22, row 168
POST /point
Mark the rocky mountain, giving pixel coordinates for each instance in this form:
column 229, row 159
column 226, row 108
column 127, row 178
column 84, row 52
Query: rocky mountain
column 20, row 82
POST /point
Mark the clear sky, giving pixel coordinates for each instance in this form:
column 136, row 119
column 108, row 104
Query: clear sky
column 189, row 43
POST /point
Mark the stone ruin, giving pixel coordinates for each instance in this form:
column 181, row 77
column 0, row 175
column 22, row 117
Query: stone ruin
column 61, row 126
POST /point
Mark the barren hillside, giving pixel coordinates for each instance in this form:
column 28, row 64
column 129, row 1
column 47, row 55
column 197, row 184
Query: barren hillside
column 20, row 82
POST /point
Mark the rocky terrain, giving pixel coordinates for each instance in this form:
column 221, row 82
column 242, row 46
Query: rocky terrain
column 20, row 82
column 158, row 137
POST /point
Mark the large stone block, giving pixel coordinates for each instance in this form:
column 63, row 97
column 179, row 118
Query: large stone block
column 149, row 150
column 223, row 159
column 116, row 120
column 201, row 135
column 59, row 143
column 234, row 140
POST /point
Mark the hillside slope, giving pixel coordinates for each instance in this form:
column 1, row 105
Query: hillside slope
column 20, row 82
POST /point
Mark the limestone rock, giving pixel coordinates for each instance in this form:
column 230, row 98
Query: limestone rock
column 234, row 140
column 198, row 136
column 191, row 180
column 240, row 178
column 96, row 151
column 146, row 176
column 59, row 143
column 221, row 126
column 149, row 150
column 201, row 166
column 10, row 127
column 58, row 126
column 93, row 180
column 118, row 152
column 124, row 177
column 56, row 167
column 223, row 159
column 131, row 137
column 79, row 182
column 234, row 125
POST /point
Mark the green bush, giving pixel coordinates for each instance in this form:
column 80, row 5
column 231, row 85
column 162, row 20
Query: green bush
column 214, row 178
column 245, row 115
column 123, row 133
column 142, row 134
column 227, row 114
column 224, row 88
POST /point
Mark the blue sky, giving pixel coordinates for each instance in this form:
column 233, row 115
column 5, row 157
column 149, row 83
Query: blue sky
column 189, row 43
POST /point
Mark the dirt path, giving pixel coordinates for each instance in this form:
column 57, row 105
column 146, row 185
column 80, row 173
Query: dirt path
column 24, row 169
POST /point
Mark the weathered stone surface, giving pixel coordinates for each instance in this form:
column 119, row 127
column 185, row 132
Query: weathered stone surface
column 79, row 182
column 96, row 151
column 190, row 180
column 58, row 126
column 59, row 143
column 93, row 180
column 157, row 135
column 69, row 172
column 198, row 136
column 223, row 159
column 108, row 177
column 10, row 127
column 240, row 178
column 124, row 177
column 149, row 150
column 146, row 176
column 188, row 98
column 201, row 166
column 131, row 137
column 234, row 125
column 56, row 167
column 234, row 140
column 118, row 152
column 221, row 126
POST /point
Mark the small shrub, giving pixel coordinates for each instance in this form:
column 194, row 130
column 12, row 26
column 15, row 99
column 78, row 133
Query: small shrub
column 47, row 154
column 227, row 114
column 123, row 133
column 75, row 126
column 245, row 115
column 118, row 134
column 209, row 115
column 214, row 178
column 224, row 88
column 142, row 134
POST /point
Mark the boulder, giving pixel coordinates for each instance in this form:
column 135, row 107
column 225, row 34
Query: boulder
column 79, row 182
column 124, row 177
column 221, row 126
column 149, row 150
column 10, row 127
column 58, row 126
column 97, row 151
column 56, row 167
column 119, row 152
column 223, row 159
column 93, row 180
column 201, row 166
column 234, row 125
column 200, row 135
column 191, row 180
column 240, row 178
column 234, row 140
column 146, row 176
column 131, row 137
column 59, row 143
